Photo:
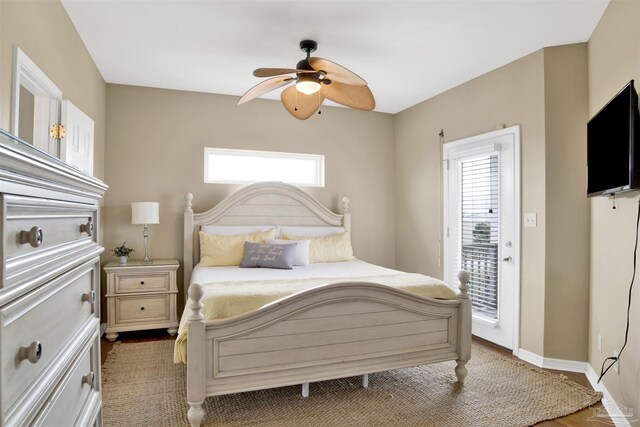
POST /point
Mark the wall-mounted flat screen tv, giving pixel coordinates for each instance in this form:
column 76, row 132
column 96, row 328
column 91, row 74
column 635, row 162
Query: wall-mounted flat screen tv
column 613, row 146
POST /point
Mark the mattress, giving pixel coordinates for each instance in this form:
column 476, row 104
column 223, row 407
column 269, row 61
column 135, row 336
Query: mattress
column 231, row 291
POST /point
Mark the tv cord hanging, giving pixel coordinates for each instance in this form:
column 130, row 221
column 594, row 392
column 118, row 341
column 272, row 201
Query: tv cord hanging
column 614, row 359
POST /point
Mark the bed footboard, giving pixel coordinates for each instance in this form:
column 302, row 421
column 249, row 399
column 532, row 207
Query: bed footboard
column 333, row 331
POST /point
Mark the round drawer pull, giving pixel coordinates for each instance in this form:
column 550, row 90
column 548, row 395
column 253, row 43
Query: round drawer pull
column 87, row 228
column 89, row 297
column 141, row 308
column 34, row 237
column 89, row 379
column 142, row 283
column 32, row 352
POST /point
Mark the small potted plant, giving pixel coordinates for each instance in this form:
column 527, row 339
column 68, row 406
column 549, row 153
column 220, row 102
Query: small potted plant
column 122, row 252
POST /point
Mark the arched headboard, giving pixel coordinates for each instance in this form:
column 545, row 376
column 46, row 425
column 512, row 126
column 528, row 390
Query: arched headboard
column 264, row 203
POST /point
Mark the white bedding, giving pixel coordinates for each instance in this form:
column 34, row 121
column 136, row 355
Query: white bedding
column 204, row 275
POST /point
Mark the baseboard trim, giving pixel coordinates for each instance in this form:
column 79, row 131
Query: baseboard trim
column 616, row 414
column 527, row 356
column 550, row 363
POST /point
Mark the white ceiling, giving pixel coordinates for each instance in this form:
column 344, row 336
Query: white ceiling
column 408, row 51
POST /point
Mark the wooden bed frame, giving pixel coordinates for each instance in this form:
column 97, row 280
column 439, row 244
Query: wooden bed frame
column 334, row 331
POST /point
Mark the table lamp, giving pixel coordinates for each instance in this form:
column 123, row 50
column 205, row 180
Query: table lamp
column 145, row 213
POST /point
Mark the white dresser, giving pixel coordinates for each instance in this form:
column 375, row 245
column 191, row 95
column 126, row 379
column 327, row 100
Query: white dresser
column 49, row 290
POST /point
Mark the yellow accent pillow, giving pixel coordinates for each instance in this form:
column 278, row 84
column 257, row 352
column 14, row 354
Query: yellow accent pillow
column 332, row 248
column 219, row 250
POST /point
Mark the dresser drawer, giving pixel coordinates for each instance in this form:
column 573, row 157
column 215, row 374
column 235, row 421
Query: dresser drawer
column 144, row 282
column 41, row 231
column 58, row 223
column 77, row 389
column 36, row 327
column 142, row 308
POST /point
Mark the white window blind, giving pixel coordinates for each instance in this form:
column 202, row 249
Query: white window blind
column 479, row 225
column 228, row 166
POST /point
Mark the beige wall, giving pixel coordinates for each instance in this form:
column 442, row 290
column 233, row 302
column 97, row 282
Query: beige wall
column 510, row 95
column 155, row 143
column 544, row 93
column 44, row 31
column 614, row 59
column 566, row 311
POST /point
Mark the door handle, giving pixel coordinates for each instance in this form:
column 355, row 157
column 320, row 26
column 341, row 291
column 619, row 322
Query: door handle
column 507, row 259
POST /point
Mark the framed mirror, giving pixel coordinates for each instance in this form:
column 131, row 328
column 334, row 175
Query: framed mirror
column 35, row 104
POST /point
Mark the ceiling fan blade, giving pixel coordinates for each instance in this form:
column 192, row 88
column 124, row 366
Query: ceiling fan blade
column 336, row 72
column 298, row 104
column 269, row 72
column 264, row 87
column 354, row 96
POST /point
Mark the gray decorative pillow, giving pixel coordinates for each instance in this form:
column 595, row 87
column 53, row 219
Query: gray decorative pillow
column 268, row 255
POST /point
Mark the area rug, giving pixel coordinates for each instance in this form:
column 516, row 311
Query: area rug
column 143, row 387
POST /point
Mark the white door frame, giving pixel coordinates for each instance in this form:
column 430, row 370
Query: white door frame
column 515, row 131
column 48, row 99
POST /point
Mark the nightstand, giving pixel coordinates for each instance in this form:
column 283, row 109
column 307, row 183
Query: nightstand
column 140, row 296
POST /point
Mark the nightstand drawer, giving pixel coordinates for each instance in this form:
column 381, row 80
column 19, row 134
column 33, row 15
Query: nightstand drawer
column 142, row 282
column 142, row 308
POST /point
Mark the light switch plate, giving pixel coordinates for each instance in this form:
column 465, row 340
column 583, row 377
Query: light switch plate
column 530, row 220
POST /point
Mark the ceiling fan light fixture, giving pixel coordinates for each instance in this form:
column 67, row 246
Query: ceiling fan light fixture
column 307, row 84
column 315, row 79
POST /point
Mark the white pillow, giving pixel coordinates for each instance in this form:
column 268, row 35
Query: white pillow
column 301, row 256
column 333, row 248
column 309, row 231
column 233, row 230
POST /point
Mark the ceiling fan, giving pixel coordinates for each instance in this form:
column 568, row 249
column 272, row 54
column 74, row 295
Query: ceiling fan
column 315, row 79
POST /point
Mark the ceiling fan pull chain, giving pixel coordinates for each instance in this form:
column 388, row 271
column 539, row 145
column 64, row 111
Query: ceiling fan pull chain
column 319, row 103
column 295, row 108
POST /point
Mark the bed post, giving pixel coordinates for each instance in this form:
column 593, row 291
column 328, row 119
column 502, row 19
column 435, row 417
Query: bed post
column 187, row 250
column 346, row 215
column 464, row 327
column 196, row 343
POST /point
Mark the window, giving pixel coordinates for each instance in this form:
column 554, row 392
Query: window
column 479, row 225
column 227, row 166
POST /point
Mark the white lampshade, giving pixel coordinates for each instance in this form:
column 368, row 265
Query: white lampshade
column 145, row 213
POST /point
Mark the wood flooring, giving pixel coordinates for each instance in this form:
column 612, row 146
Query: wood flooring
column 580, row 418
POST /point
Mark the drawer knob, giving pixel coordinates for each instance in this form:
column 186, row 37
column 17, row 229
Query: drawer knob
column 89, row 297
column 141, row 308
column 87, row 228
column 32, row 352
column 33, row 237
column 142, row 282
column 89, row 379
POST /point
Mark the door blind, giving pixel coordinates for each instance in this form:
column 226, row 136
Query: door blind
column 479, row 231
